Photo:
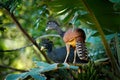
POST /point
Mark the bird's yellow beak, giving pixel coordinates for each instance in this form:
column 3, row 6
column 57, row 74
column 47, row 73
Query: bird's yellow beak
column 42, row 48
column 46, row 29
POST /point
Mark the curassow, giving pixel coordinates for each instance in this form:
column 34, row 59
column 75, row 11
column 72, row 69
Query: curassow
column 74, row 38
column 58, row 55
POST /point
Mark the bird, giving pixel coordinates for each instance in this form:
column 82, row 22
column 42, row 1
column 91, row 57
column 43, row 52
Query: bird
column 76, row 39
column 53, row 25
column 57, row 54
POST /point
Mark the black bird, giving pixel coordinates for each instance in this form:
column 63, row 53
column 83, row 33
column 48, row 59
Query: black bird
column 58, row 55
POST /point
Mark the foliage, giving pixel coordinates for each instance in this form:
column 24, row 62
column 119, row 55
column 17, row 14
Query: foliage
column 38, row 72
column 89, row 73
column 75, row 11
column 99, row 21
column 58, row 71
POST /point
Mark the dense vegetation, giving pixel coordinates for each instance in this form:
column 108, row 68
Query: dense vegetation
column 22, row 26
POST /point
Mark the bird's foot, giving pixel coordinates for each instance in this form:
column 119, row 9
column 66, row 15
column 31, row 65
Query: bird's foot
column 65, row 62
column 73, row 62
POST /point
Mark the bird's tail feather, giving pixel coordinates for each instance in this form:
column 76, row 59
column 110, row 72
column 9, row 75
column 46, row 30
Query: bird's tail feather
column 82, row 51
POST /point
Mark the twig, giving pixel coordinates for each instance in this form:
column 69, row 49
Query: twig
column 44, row 36
column 48, row 35
column 8, row 67
column 16, row 49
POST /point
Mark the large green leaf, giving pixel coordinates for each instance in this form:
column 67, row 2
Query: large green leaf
column 107, row 17
column 41, row 64
column 37, row 73
column 15, row 76
column 115, row 1
column 117, row 48
column 104, row 12
column 70, row 8
column 34, row 73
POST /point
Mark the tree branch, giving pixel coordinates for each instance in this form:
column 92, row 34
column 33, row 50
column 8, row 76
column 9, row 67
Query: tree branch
column 20, row 70
column 27, row 35
column 44, row 36
column 16, row 49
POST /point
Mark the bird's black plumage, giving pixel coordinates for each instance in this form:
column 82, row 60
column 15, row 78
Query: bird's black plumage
column 58, row 55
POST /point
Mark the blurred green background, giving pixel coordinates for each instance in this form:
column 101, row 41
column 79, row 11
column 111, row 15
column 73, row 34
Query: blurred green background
column 33, row 15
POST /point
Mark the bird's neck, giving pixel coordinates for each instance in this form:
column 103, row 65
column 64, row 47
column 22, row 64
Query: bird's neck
column 60, row 32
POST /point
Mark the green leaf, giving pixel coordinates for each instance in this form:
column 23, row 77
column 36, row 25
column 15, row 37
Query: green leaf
column 63, row 12
column 38, row 77
column 116, row 7
column 107, row 17
column 118, row 48
column 63, row 66
column 114, row 1
column 34, row 73
column 69, row 16
column 16, row 76
column 74, row 67
column 44, row 67
column 41, row 64
column 50, row 67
